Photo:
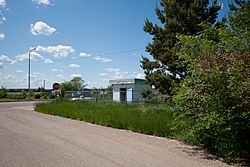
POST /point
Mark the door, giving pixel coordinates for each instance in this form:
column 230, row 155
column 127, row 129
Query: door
column 123, row 93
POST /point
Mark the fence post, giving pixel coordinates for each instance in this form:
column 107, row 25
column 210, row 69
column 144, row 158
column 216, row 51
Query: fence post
column 96, row 96
column 126, row 98
column 103, row 95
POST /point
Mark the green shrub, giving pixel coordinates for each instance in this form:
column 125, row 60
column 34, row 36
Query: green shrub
column 215, row 94
column 3, row 92
column 52, row 96
column 37, row 96
column 23, row 94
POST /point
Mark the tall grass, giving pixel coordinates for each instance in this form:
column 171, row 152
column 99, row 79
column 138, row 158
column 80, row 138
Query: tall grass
column 148, row 119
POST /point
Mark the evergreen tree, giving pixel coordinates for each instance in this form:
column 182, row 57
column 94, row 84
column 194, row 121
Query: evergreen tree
column 177, row 17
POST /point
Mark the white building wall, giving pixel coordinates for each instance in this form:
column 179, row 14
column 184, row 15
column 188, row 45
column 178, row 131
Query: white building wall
column 116, row 93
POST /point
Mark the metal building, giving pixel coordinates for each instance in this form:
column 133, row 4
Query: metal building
column 128, row 89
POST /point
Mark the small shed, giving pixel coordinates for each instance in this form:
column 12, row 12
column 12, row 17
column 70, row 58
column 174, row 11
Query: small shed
column 128, row 90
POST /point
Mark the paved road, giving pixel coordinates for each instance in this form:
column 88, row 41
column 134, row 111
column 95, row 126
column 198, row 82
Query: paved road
column 31, row 139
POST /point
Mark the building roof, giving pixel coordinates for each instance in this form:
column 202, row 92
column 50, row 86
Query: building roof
column 126, row 81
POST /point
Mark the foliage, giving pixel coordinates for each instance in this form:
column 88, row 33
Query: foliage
column 154, row 95
column 177, row 17
column 52, row 96
column 216, row 90
column 37, row 96
column 23, row 94
column 3, row 92
column 76, row 84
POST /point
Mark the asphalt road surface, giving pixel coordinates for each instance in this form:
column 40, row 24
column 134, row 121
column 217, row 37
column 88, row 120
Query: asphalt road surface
column 31, row 139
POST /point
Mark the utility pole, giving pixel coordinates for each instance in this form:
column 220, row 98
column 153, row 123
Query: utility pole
column 44, row 84
column 29, row 72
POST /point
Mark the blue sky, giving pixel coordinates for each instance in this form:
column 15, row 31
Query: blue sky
column 95, row 39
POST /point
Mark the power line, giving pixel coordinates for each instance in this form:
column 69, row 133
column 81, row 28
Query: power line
column 126, row 51
column 106, row 55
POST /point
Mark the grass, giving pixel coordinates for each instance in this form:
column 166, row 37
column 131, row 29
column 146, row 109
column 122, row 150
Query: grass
column 147, row 119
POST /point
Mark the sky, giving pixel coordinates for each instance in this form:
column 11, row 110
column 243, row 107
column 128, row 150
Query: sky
column 94, row 39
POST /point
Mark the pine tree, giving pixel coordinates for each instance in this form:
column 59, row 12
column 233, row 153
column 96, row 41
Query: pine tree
column 177, row 17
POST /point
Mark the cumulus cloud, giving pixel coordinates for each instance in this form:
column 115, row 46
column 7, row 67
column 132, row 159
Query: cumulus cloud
column 83, row 54
column 102, row 59
column 2, row 36
column 41, row 28
column 74, row 65
column 57, row 51
column 34, row 56
column 42, row 2
column 75, row 75
column 5, row 58
column 2, row 3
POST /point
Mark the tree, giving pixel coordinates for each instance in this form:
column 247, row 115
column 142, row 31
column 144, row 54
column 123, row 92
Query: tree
column 177, row 17
column 76, row 84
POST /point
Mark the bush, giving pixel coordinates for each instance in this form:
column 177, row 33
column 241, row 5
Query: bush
column 37, row 96
column 216, row 94
column 3, row 92
column 52, row 96
column 23, row 94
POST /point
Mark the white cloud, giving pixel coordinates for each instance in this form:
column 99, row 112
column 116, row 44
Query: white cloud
column 102, row 59
column 60, row 76
column 36, row 73
column 83, row 54
column 57, row 51
column 41, row 28
column 2, row 36
column 74, row 65
column 2, row 17
column 1, row 65
column 110, row 69
column 117, row 73
column 34, row 56
column 113, row 73
column 5, row 58
column 19, row 71
column 42, row 2
column 138, row 75
column 75, row 75
column 56, row 70
column 103, row 74
column 48, row 61
column 2, row 3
